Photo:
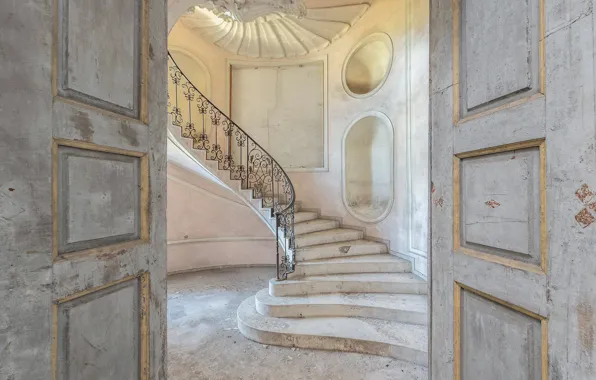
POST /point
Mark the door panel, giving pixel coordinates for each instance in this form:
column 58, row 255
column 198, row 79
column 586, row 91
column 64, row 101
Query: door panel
column 513, row 130
column 83, row 170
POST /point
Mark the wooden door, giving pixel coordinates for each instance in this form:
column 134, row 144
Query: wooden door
column 82, row 189
column 513, row 272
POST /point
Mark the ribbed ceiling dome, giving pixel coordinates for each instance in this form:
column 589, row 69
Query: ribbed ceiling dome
column 276, row 35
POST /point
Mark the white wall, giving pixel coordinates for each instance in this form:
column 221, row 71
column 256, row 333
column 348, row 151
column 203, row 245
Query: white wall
column 403, row 98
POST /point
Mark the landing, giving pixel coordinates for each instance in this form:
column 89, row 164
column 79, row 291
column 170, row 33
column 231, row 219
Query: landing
column 204, row 342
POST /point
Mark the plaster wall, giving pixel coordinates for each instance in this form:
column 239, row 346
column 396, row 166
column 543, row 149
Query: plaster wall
column 209, row 226
column 403, row 98
column 281, row 107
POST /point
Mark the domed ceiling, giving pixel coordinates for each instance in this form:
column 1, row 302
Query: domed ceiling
column 273, row 29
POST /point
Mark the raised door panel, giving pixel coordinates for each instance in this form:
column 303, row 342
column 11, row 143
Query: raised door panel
column 498, row 54
column 102, row 333
column 499, row 205
column 495, row 341
column 101, row 196
column 100, row 55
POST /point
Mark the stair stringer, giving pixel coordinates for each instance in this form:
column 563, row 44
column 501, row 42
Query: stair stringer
column 222, row 176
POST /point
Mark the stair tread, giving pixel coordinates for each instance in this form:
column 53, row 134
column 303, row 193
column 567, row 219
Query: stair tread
column 351, row 328
column 331, row 232
column 316, row 225
column 357, row 277
column 346, row 243
column 302, row 216
column 315, row 221
column 410, row 302
column 375, row 258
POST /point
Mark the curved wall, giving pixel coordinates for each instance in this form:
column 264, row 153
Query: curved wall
column 208, row 225
column 403, row 98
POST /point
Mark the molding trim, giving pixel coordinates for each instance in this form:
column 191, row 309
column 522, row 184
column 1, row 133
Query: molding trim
column 456, row 60
column 144, row 324
column 458, row 288
column 139, row 111
column 543, row 239
column 373, row 37
column 225, row 239
column 389, row 207
column 144, row 200
column 409, row 121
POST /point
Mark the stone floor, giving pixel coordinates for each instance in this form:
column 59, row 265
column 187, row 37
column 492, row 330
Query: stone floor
column 204, row 342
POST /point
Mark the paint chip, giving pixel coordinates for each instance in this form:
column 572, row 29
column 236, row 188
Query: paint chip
column 584, row 193
column 345, row 248
column 584, row 218
column 492, row 203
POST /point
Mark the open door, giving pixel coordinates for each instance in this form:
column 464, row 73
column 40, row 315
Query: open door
column 82, row 189
column 514, row 181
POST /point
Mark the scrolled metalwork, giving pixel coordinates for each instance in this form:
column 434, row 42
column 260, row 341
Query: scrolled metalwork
column 223, row 141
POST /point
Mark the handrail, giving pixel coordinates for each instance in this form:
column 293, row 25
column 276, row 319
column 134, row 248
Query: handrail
column 257, row 169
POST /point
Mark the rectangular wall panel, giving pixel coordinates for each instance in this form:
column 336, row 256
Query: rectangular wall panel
column 100, row 196
column 287, row 118
column 103, row 333
column 496, row 341
column 100, row 57
column 498, row 52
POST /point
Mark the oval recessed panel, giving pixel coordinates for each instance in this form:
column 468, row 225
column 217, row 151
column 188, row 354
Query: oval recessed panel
column 367, row 66
column 368, row 167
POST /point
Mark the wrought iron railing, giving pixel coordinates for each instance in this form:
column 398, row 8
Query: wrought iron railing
column 235, row 151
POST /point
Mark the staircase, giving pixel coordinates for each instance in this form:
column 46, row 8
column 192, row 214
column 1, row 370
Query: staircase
column 346, row 294
column 334, row 290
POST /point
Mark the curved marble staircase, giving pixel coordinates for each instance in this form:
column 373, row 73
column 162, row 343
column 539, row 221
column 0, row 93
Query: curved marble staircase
column 346, row 293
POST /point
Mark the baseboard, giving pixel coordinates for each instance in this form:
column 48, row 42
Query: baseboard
column 193, row 270
column 224, row 239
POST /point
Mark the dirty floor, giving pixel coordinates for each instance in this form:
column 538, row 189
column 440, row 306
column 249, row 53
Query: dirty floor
column 204, row 342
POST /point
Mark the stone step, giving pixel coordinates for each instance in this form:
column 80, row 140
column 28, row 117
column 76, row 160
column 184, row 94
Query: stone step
column 314, row 226
column 364, row 335
column 381, row 263
column 340, row 249
column 329, row 236
column 269, row 211
column 304, row 216
column 405, row 308
column 406, row 283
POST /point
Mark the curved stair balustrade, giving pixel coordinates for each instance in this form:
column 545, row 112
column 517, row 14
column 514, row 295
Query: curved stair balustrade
column 224, row 141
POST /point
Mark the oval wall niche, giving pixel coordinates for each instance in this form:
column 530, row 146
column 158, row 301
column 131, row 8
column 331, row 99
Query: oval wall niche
column 368, row 167
column 367, row 66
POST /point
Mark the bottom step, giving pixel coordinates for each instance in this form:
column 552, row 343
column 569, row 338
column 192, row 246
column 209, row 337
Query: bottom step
column 363, row 335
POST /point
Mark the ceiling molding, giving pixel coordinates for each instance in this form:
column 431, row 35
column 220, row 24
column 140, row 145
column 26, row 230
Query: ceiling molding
column 276, row 35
